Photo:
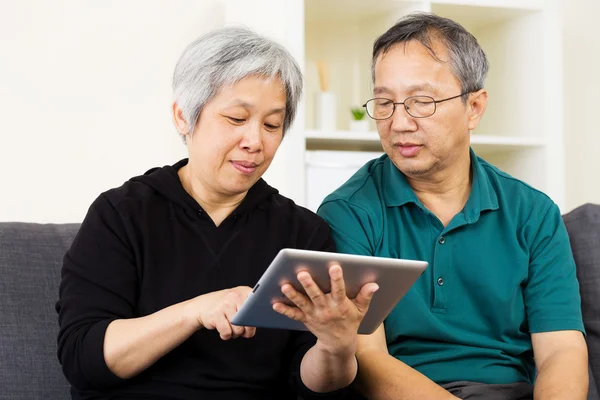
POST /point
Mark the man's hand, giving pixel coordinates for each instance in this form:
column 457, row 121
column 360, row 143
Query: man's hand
column 333, row 318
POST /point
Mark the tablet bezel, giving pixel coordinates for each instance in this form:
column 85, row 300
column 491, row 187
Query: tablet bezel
column 394, row 277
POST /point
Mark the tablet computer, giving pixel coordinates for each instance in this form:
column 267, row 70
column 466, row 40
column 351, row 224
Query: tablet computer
column 394, row 277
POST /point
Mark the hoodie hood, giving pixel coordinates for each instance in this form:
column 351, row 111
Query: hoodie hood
column 166, row 181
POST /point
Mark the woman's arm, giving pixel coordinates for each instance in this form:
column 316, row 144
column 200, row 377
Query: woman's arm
column 132, row 345
column 101, row 340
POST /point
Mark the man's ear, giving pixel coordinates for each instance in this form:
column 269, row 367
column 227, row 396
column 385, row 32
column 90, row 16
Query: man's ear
column 477, row 103
column 180, row 123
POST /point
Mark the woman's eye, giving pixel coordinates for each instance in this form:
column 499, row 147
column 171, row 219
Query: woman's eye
column 236, row 120
column 272, row 127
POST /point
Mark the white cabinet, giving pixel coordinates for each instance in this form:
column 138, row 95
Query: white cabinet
column 328, row 170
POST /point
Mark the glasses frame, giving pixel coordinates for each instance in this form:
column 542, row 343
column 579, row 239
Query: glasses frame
column 434, row 101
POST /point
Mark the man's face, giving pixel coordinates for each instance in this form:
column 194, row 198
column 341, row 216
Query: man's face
column 420, row 147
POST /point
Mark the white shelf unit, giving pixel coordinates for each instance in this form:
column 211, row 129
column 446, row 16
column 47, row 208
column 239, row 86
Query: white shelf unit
column 521, row 132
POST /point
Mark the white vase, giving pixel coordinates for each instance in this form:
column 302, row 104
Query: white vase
column 359, row 126
column 325, row 111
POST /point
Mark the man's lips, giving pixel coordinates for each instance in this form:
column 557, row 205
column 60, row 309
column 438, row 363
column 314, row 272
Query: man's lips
column 409, row 149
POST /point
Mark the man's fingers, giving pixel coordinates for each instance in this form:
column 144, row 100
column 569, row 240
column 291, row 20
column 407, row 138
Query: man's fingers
column 338, row 286
column 291, row 312
column 364, row 297
column 300, row 300
column 314, row 292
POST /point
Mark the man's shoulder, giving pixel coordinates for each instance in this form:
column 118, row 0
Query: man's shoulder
column 513, row 192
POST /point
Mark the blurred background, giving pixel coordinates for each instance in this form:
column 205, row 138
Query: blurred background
column 85, row 92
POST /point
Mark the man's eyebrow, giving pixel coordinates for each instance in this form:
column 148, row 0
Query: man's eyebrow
column 420, row 87
column 380, row 90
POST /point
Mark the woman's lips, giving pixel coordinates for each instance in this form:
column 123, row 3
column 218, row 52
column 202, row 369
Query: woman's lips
column 244, row 167
column 409, row 149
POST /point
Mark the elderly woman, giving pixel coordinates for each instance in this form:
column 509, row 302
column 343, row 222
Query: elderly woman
column 161, row 264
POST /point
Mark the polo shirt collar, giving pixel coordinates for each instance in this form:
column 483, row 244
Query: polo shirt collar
column 483, row 196
column 397, row 191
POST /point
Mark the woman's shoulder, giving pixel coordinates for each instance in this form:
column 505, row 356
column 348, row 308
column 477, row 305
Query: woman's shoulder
column 157, row 184
column 130, row 194
column 288, row 208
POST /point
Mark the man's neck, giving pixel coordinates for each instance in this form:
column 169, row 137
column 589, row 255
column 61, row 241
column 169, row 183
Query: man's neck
column 445, row 192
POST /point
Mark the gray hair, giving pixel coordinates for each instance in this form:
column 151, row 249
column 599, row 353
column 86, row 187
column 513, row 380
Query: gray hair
column 467, row 59
column 226, row 56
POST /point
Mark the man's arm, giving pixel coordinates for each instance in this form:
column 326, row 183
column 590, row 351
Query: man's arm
column 384, row 377
column 561, row 359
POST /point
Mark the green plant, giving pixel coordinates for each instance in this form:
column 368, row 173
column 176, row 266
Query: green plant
column 358, row 113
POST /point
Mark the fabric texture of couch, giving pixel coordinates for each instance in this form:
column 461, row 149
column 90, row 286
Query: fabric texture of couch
column 30, row 262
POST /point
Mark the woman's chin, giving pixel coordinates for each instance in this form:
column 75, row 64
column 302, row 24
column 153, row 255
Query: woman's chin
column 240, row 185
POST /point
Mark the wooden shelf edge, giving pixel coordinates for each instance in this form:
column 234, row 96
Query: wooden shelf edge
column 373, row 138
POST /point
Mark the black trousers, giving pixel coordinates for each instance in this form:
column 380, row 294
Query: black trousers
column 481, row 391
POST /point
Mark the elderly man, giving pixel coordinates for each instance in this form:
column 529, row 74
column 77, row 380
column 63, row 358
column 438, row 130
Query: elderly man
column 497, row 313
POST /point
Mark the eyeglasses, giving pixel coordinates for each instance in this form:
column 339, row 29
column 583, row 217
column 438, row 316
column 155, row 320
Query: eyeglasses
column 416, row 106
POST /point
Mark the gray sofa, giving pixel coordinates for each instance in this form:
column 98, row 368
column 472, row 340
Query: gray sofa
column 30, row 262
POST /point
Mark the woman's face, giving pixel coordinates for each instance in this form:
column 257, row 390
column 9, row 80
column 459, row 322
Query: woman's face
column 237, row 135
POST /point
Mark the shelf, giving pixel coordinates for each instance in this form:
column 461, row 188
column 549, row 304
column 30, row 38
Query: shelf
column 370, row 141
column 350, row 11
column 501, row 4
column 342, row 135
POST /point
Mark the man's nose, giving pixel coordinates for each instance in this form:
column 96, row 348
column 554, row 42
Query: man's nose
column 402, row 120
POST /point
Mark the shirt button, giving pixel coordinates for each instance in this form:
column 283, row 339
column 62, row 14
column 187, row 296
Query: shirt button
column 442, row 240
column 440, row 281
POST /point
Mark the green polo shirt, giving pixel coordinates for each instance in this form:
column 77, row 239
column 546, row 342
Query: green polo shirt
column 501, row 270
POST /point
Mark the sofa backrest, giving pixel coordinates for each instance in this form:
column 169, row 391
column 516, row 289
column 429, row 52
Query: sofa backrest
column 30, row 261
column 583, row 225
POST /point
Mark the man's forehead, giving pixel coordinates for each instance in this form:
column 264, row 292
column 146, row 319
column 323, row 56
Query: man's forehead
column 435, row 49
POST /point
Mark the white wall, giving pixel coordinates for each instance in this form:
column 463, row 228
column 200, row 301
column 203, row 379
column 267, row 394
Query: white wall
column 85, row 97
column 582, row 105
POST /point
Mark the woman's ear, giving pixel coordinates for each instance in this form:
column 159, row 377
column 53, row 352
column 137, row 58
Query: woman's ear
column 477, row 104
column 180, row 123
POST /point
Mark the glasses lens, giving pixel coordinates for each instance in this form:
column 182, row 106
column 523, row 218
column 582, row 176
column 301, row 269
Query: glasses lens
column 420, row 106
column 380, row 108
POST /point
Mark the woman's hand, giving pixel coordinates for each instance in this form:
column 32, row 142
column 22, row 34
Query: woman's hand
column 215, row 311
column 333, row 318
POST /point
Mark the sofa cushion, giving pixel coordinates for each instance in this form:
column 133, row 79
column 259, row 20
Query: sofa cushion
column 583, row 225
column 30, row 262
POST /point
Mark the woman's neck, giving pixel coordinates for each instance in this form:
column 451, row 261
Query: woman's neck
column 217, row 205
